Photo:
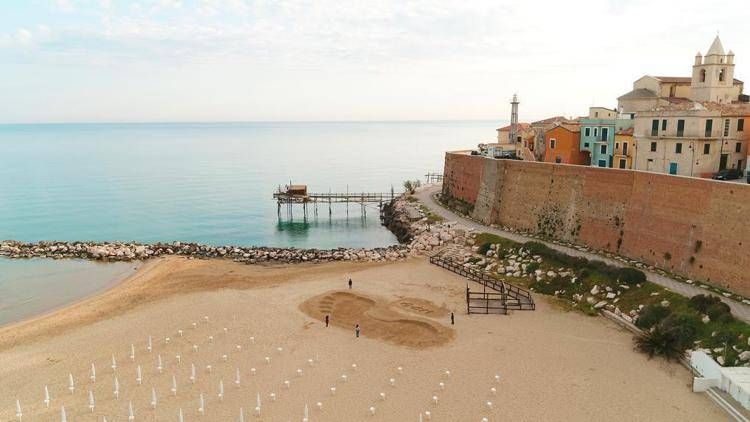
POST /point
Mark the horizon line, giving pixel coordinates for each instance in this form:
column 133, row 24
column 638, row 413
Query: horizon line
column 169, row 122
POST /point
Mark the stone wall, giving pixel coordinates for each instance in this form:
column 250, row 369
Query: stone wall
column 693, row 227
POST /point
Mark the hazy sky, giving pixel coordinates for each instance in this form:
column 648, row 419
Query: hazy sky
column 239, row 60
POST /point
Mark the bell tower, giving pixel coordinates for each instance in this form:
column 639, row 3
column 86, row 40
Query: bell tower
column 713, row 75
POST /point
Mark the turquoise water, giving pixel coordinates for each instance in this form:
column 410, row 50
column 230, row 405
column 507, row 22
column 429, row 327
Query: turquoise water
column 29, row 287
column 210, row 183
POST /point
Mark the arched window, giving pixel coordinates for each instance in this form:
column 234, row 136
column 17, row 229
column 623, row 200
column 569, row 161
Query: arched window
column 703, row 75
column 721, row 75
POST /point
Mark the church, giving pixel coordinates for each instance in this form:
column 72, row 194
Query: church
column 712, row 80
column 690, row 126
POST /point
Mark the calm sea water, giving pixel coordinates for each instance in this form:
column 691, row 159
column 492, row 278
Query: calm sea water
column 210, row 183
column 33, row 286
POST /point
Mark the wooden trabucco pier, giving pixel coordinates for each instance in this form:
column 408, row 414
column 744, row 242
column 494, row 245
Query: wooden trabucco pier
column 292, row 195
column 499, row 299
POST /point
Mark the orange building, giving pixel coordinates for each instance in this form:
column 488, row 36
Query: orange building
column 562, row 145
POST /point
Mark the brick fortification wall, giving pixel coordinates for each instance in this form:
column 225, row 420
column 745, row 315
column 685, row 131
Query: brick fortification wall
column 694, row 227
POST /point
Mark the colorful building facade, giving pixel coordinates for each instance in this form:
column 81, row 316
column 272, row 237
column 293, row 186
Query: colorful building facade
column 598, row 135
column 562, row 145
column 624, row 149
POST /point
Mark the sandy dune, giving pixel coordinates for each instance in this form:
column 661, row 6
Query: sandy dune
column 553, row 365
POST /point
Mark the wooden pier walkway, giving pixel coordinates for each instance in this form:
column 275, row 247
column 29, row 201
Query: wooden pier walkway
column 298, row 195
column 502, row 297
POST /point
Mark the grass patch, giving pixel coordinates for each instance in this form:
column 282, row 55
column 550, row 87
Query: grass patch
column 432, row 218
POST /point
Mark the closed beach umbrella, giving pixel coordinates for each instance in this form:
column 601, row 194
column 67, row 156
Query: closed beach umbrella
column 46, row 396
column 92, row 374
column 63, row 417
column 91, row 400
column 19, row 414
column 131, row 415
column 71, row 384
column 153, row 397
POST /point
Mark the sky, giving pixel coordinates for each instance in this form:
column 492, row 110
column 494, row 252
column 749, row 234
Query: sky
column 298, row 60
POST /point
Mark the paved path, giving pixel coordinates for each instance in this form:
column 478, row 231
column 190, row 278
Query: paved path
column 740, row 310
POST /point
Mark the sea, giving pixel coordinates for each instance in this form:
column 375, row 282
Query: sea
column 210, row 183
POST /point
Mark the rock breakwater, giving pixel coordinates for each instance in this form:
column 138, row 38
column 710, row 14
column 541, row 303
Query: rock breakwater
column 119, row 251
column 406, row 221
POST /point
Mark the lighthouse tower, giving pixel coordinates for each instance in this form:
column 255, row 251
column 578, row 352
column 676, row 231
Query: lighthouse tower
column 514, row 119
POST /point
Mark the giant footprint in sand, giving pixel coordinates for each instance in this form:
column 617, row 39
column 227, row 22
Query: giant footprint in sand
column 378, row 319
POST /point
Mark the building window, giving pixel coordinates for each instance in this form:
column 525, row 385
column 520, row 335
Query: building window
column 622, row 163
column 738, row 147
column 703, row 75
column 585, row 144
column 721, row 75
column 605, row 133
column 706, row 148
column 654, row 127
column 552, row 143
column 603, row 149
column 653, row 146
column 617, row 146
column 596, row 131
column 624, row 148
column 664, row 125
column 558, row 159
column 740, row 125
column 709, row 127
column 678, row 148
column 587, row 131
column 596, row 114
column 680, row 127
column 726, row 127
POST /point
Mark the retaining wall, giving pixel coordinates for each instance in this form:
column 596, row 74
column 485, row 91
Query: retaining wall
column 693, row 227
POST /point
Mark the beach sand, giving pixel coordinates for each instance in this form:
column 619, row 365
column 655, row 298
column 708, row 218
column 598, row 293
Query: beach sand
column 553, row 365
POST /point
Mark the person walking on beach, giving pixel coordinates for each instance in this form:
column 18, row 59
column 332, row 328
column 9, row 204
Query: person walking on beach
column 350, row 284
column 326, row 321
column 356, row 331
column 453, row 320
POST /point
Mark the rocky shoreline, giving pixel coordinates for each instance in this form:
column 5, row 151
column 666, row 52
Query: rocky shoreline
column 403, row 219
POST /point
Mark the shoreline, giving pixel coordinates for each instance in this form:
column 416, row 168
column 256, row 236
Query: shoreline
column 133, row 290
column 401, row 304
column 111, row 283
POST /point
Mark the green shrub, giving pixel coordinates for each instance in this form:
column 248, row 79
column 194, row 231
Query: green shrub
column 651, row 315
column 660, row 341
column 484, row 247
column 701, row 302
column 716, row 310
column 630, row 276
column 685, row 326
column 538, row 248
column 530, row 268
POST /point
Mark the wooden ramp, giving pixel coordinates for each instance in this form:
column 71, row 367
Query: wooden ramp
column 496, row 297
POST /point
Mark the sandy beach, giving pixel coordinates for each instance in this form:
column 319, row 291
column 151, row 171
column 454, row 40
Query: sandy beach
column 553, row 365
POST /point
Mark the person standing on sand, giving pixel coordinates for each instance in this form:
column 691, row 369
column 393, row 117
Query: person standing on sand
column 350, row 284
column 356, row 331
column 453, row 320
column 326, row 321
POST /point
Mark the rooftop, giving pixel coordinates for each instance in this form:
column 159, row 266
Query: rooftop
column 521, row 126
column 570, row 127
column 742, row 109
